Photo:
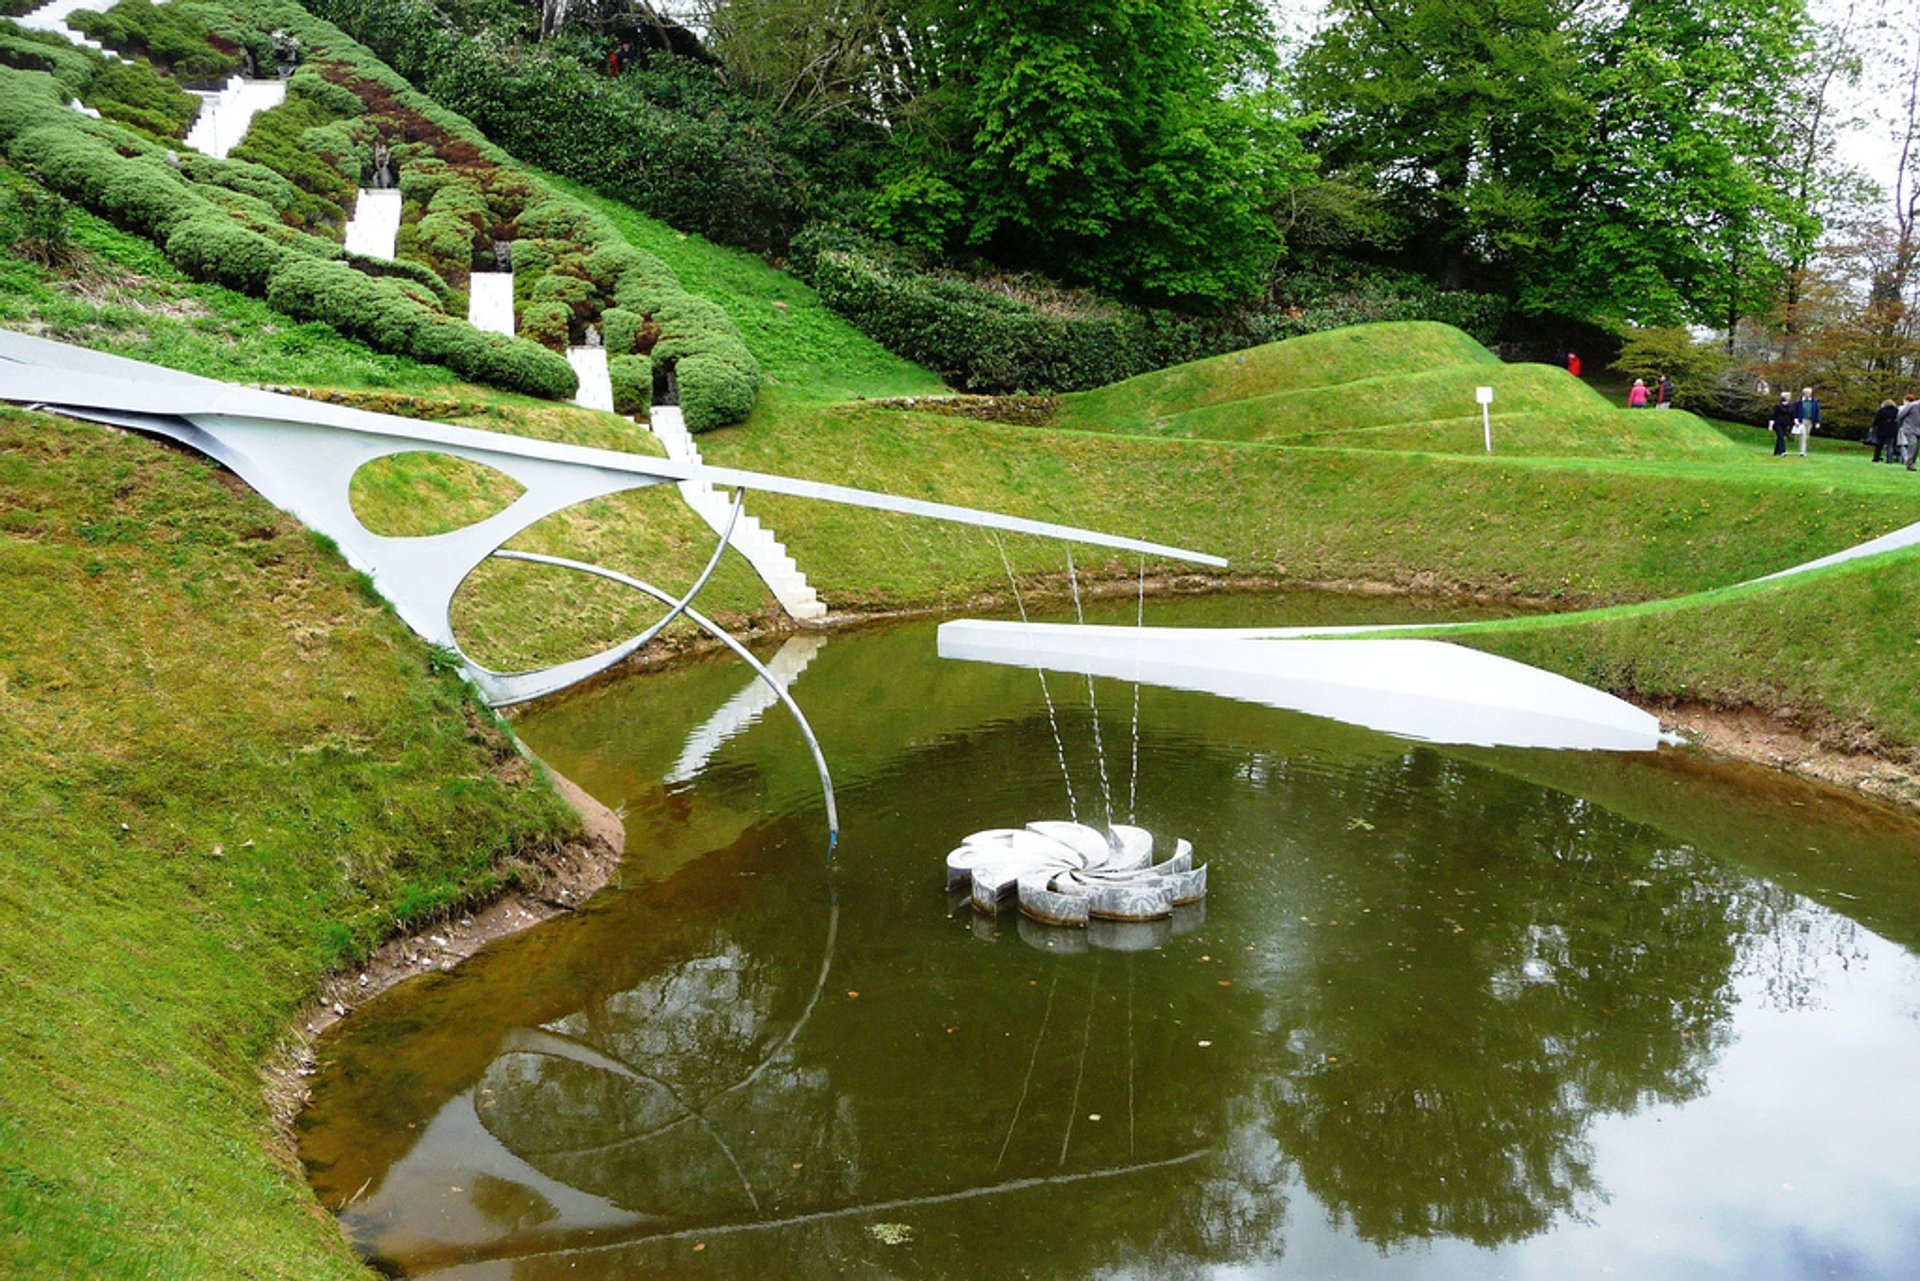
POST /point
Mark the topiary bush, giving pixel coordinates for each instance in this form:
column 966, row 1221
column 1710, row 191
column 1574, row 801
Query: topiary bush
column 547, row 323
column 131, row 93
column 171, row 35
column 213, row 247
column 632, row 384
column 621, row 331
column 713, row 391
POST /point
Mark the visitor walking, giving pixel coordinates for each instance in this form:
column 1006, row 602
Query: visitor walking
column 1909, row 431
column 1637, row 398
column 1884, row 432
column 1782, row 423
column 1663, row 392
column 1806, row 417
column 1573, row 363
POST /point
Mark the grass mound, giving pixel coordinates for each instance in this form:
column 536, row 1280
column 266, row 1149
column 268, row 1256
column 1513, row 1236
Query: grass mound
column 227, row 769
column 1398, row 387
column 1313, row 360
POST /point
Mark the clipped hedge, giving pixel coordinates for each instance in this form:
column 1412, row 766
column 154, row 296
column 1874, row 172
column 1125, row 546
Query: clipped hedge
column 728, row 183
column 632, row 384
column 212, row 247
column 128, row 181
column 621, row 330
column 383, row 312
column 983, row 340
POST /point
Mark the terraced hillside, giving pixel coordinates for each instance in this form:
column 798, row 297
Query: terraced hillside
column 1399, row 386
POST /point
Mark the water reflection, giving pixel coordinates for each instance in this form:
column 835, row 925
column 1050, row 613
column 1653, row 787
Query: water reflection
column 1439, row 1006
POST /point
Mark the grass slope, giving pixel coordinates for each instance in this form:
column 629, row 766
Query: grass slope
column 1830, row 650
column 805, row 351
column 1314, row 360
column 1398, row 386
column 1579, row 530
column 226, row 769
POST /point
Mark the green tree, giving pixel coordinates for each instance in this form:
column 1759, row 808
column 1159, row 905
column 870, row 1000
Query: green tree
column 1613, row 162
column 1132, row 144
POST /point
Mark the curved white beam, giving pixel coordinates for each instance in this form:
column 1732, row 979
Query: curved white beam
column 1421, row 689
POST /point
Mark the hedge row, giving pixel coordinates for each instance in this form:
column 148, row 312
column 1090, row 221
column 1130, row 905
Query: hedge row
column 204, row 228
column 572, row 269
column 545, row 106
column 983, row 340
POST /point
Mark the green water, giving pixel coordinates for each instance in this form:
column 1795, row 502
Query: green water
column 1446, row 1013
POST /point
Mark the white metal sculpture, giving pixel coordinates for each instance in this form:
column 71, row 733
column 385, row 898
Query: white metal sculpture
column 301, row 455
column 1062, row 873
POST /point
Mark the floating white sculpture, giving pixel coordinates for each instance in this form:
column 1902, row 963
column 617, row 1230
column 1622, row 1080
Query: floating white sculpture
column 1064, row 873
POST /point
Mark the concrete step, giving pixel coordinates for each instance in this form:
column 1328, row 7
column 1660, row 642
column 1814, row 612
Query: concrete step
column 225, row 117
column 375, row 225
column 596, row 386
column 490, row 301
column 751, row 538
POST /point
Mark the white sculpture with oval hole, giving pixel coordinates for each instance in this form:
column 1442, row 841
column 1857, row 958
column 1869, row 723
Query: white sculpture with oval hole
column 1063, row 873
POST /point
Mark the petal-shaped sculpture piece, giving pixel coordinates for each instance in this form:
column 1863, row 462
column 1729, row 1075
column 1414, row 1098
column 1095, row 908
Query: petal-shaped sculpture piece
column 1070, row 874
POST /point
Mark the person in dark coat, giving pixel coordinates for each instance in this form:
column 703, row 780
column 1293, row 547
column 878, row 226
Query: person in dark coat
column 1885, row 423
column 1806, row 417
column 1663, row 393
column 1782, row 423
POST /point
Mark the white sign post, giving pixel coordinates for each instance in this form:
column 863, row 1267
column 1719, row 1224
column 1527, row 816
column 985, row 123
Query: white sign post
column 1485, row 396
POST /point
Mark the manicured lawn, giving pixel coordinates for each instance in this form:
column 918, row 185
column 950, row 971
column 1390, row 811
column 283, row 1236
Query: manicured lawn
column 227, row 769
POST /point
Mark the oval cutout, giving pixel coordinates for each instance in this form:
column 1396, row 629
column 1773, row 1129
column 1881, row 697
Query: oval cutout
column 419, row 493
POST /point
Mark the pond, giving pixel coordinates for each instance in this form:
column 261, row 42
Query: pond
column 1454, row 1013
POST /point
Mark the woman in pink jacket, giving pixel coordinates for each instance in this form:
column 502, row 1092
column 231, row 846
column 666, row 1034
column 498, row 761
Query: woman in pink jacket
column 1637, row 398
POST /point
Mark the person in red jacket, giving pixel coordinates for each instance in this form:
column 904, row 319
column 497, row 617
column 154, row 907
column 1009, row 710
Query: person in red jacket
column 1573, row 363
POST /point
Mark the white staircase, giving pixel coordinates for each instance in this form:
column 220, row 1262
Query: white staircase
column 53, row 17
column 375, row 224
column 490, row 302
column 744, row 709
column 596, row 385
column 224, row 116
column 751, row 539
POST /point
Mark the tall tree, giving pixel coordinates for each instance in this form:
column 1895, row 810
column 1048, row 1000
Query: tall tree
column 1613, row 161
column 1128, row 143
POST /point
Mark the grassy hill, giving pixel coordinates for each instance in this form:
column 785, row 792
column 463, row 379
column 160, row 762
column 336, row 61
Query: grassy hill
column 227, row 769
column 1398, row 386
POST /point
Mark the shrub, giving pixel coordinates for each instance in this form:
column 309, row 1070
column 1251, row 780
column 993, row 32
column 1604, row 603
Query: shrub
column 522, row 365
column 713, row 392
column 257, row 182
column 213, row 247
column 334, row 101
column 279, row 139
column 620, row 331
column 132, row 94
column 149, row 198
column 401, row 269
column 632, row 384
column 27, row 50
column 547, row 323
column 987, row 339
column 172, row 36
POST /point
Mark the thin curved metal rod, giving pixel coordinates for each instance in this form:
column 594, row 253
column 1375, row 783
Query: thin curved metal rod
column 719, row 633
column 633, row 645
